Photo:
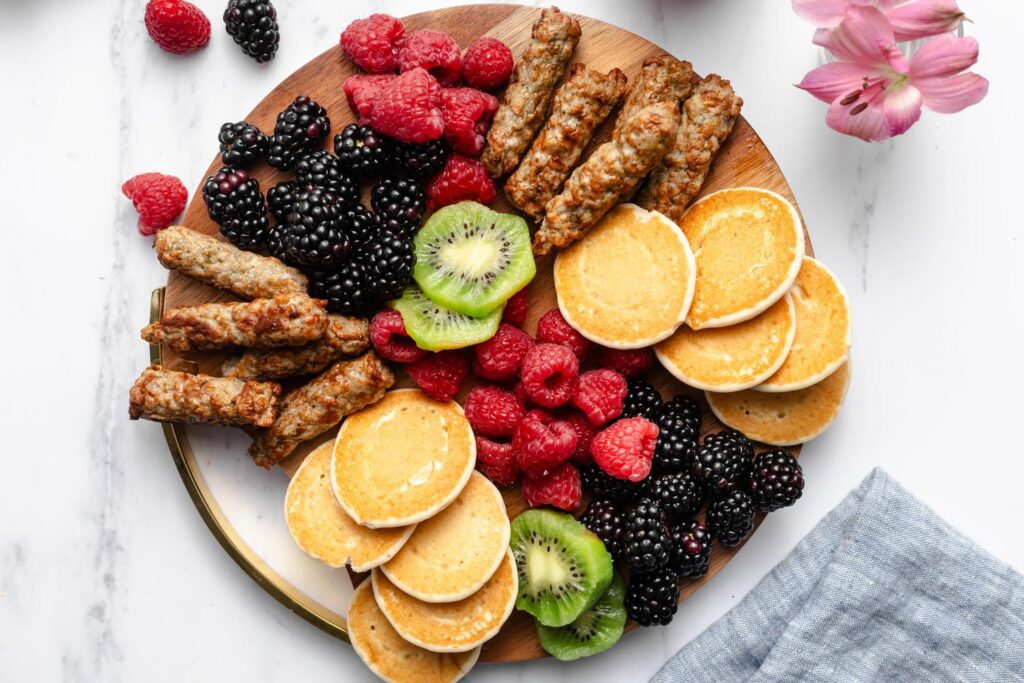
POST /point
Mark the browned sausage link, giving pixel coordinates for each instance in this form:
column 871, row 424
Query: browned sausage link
column 225, row 266
column 286, row 320
column 344, row 337
column 708, row 117
column 526, row 99
column 581, row 104
column 661, row 79
column 611, row 173
column 311, row 410
column 170, row 396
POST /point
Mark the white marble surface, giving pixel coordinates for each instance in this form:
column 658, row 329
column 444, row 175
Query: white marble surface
column 106, row 570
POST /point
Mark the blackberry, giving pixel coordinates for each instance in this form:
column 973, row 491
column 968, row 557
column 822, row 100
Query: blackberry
column 680, row 494
column 362, row 150
column 390, row 263
column 421, row 161
column 235, row 203
column 400, row 204
column 277, row 243
column 646, row 541
column 362, row 230
column 653, row 598
column 642, row 399
column 691, row 549
column 731, row 519
column 242, row 144
column 776, row 480
column 344, row 289
column 723, row 461
column 253, row 25
column 281, row 199
column 299, row 130
column 323, row 169
column 600, row 483
column 313, row 232
column 604, row 517
column 679, row 425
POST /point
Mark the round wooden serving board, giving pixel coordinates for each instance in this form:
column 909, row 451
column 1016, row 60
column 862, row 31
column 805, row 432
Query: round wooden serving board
column 743, row 160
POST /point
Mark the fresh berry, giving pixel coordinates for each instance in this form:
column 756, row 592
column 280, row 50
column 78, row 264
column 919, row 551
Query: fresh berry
column 497, row 461
column 463, row 179
column 549, row 373
column 372, row 42
column 362, row 90
column 391, row 258
column 602, row 484
column 680, row 494
column 242, row 144
column 776, row 480
column 653, row 598
column 500, row 357
column 362, row 229
column 552, row 328
column 627, row 362
column 625, row 448
column 542, row 443
column 392, row 342
column 408, row 108
column 679, row 422
column 158, row 198
column 691, row 549
column 646, row 540
column 731, row 519
column 559, row 488
column 723, row 461
column 322, row 169
column 642, row 400
column 493, row 411
column 362, row 151
column 281, row 199
column 235, row 203
column 585, row 433
column 435, row 51
column 487, row 63
column 400, row 204
column 299, row 130
column 314, row 234
column 515, row 308
column 604, row 517
column 253, row 25
column 517, row 388
column 440, row 375
column 346, row 289
column 599, row 394
column 423, row 160
column 467, row 117
column 276, row 241
column 177, row 26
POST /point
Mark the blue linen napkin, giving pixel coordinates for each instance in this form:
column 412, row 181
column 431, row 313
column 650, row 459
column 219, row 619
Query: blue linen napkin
column 881, row 590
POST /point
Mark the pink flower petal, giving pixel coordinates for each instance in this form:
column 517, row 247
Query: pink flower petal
column 863, row 36
column 836, row 80
column 944, row 55
column 827, row 13
column 953, row 93
column 902, row 108
column 923, row 18
column 868, row 124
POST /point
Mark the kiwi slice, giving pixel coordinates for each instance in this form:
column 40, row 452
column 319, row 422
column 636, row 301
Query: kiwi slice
column 594, row 631
column 435, row 328
column 563, row 567
column 472, row 259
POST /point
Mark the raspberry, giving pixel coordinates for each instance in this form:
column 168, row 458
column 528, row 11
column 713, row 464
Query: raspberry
column 497, row 461
column 387, row 332
column 435, row 51
column 158, row 198
column 515, row 308
column 625, row 449
column 440, row 374
column 362, row 90
column 560, row 488
column 500, row 357
column 585, row 433
column 467, row 117
column 541, row 443
column 553, row 329
column 372, row 42
column 549, row 374
column 487, row 63
column 408, row 108
column 600, row 395
column 177, row 26
column 461, row 179
column 517, row 391
column 493, row 411
column 627, row 362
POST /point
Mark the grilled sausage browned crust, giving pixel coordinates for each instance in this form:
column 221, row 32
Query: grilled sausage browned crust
column 708, row 118
column 225, row 266
column 661, row 79
column 169, row 396
column 525, row 103
column 345, row 337
column 311, row 410
column 286, row 320
column 607, row 176
column 582, row 102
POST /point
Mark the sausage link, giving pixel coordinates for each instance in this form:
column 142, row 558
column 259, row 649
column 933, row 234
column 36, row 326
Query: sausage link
column 170, row 396
column 661, row 79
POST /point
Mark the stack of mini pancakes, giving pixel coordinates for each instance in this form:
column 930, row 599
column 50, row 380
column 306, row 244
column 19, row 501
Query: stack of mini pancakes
column 396, row 493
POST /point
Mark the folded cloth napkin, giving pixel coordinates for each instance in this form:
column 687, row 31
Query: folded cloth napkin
column 881, row 590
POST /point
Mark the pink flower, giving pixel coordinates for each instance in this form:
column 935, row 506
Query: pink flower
column 909, row 20
column 874, row 92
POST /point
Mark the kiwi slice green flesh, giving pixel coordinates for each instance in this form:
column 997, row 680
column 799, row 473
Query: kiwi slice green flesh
column 436, row 328
column 563, row 567
column 594, row 631
column 472, row 259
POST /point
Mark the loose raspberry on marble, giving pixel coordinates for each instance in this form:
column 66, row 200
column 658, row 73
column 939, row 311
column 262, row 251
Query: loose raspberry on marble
column 177, row 26
column 497, row 461
column 552, row 328
column 561, row 488
column 493, row 411
column 625, row 449
column 467, row 118
column 549, row 373
column 585, row 433
column 158, row 198
column 541, row 443
column 408, row 108
column 439, row 375
column 460, row 180
column 435, row 51
column 600, row 395
column 500, row 357
column 372, row 43
column 361, row 91
column 392, row 342
column 487, row 63
column 515, row 308
column 627, row 362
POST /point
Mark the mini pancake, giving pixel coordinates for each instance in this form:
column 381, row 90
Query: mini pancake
column 783, row 419
column 451, row 626
column 325, row 531
column 823, row 330
column 453, row 554
column 402, row 459
column 733, row 358
column 748, row 244
column 629, row 282
column 393, row 658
